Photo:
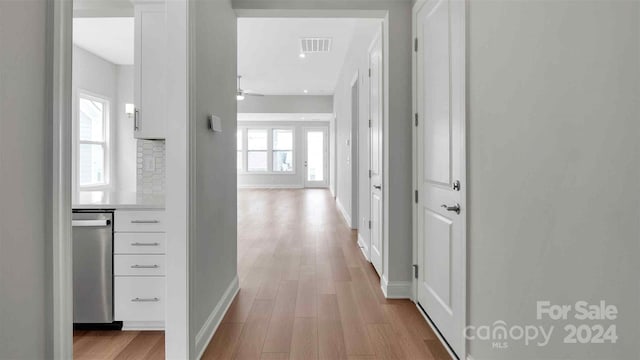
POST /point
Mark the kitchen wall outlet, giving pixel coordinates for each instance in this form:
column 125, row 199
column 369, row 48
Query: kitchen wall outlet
column 150, row 164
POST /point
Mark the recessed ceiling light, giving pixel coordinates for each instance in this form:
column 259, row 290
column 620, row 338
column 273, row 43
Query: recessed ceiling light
column 306, row 91
column 303, row 55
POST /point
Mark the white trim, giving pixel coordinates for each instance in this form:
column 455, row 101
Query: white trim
column 275, row 186
column 435, row 331
column 344, row 213
column 395, row 289
column 363, row 247
column 60, row 297
column 210, row 326
column 143, row 325
column 301, row 117
column 469, row 357
column 179, row 180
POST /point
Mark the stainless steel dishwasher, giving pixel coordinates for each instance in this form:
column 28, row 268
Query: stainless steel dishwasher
column 93, row 269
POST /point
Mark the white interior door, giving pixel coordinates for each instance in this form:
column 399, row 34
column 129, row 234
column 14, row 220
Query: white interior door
column 316, row 164
column 376, row 131
column 440, row 101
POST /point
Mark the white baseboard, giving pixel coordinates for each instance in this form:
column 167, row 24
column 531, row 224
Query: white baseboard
column 395, row 289
column 210, row 326
column 274, row 186
column 344, row 213
column 143, row 325
column 363, row 247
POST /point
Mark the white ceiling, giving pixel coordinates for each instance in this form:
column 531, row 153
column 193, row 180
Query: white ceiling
column 269, row 48
column 111, row 38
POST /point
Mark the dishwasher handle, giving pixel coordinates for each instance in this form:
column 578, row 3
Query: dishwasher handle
column 90, row 223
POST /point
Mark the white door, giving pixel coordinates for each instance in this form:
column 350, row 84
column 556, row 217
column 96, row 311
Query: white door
column 316, row 164
column 376, row 131
column 440, row 217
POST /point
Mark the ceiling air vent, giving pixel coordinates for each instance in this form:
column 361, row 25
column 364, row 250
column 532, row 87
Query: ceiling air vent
column 315, row 45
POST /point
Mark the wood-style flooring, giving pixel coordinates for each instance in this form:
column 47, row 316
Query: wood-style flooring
column 306, row 292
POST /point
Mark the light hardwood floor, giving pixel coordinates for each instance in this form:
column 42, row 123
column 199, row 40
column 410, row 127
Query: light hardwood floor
column 306, row 292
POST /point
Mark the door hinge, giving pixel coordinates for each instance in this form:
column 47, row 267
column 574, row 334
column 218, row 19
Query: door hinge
column 416, row 196
column 369, row 224
column 369, row 72
column 416, row 119
column 370, row 174
column 415, row 44
column 415, row 271
column 369, row 123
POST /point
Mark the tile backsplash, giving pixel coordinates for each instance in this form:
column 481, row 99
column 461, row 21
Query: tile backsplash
column 151, row 166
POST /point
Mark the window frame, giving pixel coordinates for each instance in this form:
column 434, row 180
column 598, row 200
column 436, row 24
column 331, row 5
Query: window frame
column 293, row 146
column 245, row 149
column 106, row 143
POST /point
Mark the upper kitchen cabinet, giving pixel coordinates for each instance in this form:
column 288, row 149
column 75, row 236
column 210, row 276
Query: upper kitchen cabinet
column 150, row 71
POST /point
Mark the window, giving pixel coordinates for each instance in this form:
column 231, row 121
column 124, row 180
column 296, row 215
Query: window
column 268, row 150
column 93, row 144
column 257, row 149
column 282, row 150
column 239, row 148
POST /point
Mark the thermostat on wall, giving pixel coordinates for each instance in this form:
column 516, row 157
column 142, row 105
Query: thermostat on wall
column 215, row 123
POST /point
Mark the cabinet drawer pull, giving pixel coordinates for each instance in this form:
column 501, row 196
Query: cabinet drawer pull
column 145, row 266
column 145, row 244
column 145, row 221
column 145, row 300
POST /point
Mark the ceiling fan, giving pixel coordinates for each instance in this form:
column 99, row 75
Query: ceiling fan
column 240, row 94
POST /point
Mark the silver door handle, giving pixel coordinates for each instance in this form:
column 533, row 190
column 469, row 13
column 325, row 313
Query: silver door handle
column 145, row 244
column 379, row 187
column 144, row 221
column 145, row 266
column 90, row 223
column 455, row 208
column 145, row 300
column 136, row 116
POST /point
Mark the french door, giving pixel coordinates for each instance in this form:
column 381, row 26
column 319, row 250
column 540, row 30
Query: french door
column 316, row 164
column 440, row 212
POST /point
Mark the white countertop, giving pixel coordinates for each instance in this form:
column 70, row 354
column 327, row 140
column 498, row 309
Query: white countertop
column 116, row 200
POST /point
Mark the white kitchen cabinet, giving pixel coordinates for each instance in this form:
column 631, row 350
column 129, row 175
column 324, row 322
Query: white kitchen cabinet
column 139, row 269
column 150, row 71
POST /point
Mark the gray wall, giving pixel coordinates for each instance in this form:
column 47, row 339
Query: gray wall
column 125, row 143
column 25, row 183
column 213, row 173
column 282, row 180
column 100, row 77
column 554, row 123
column 398, row 129
column 357, row 60
column 286, row 104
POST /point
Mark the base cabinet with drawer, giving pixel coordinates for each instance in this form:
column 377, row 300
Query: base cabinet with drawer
column 139, row 269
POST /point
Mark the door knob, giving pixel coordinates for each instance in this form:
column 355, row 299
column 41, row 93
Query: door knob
column 455, row 208
column 378, row 187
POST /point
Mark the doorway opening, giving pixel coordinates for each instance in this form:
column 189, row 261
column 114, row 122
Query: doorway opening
column 304, row 144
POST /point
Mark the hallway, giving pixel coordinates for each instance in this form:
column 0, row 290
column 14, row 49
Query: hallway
column 308, row 293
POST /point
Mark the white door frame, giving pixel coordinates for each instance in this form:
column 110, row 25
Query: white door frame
column 60, row 16
column 305, row 152
column 463, row 178
column 354, row 143
column 59, row 73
